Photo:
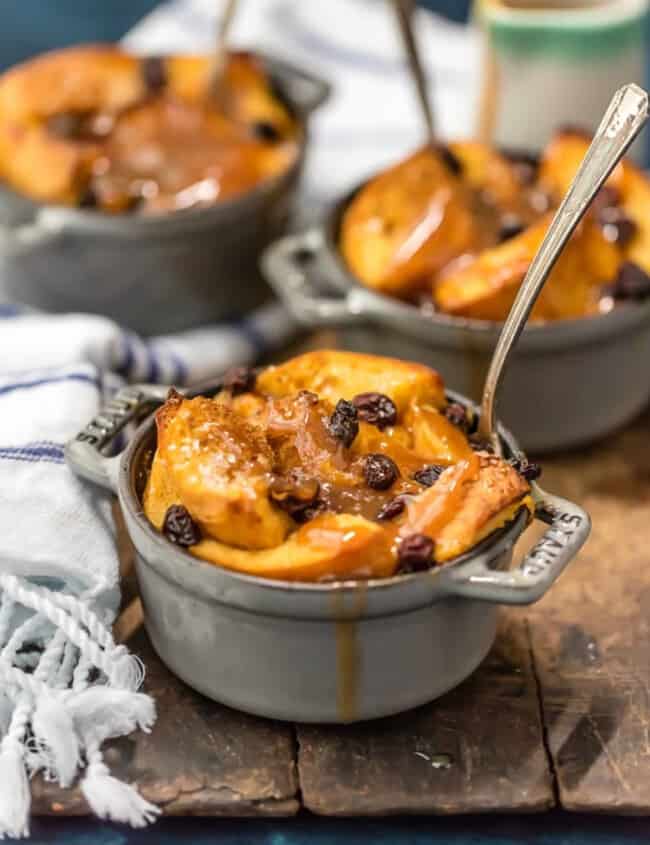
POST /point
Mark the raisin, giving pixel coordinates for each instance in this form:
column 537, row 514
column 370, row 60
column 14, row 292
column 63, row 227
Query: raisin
column 154, row 73
column 380, row 471
column 344, row 422
column 607, row 197
column 510, row 226
column 310, row 512
column 479, row 444
column 617, row 227
column 240, row 380
column 265, row 131
column 457, row 415
column 88, row 198
column 68, row 125
column 428, row 475
column 295, row 493
column 450, row 159
column 179, row 527
column 632, row 282
column 527, row 469
column 525, row 165
column 415, row 553
column 376, row 409
column 391, row 509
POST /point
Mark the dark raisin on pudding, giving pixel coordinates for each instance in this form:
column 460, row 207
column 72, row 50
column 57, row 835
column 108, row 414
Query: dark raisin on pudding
column 510, row 226
column 240, row 380
column 376, row 408
column 262, row 130
column 527, row 469
column 68, row 125
column 428, row 475
column 179, row 527
column 415, row 553
column 88, row 198
column 451, row 160
column 344, row 422
column 457, row 415
column 391, row 509
column 616, row 226
column 480, row 444
column 607, row 197
column 380, row 471
column 524, row 164
column 631, row 283
column 154, row 73
column 295, row 493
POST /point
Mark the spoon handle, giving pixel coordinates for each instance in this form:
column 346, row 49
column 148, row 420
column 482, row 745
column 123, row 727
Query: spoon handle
column 220, row 49
column 405, row 10
column 623, row 120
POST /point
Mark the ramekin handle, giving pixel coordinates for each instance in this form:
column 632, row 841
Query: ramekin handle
column 569, row 527
column 22, row 238
column 298, row 270
column 84, row 454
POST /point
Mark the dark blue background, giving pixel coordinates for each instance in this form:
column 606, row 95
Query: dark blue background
column 31, row 26
column 545, row 829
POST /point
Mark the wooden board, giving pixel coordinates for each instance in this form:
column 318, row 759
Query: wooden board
column 591, row 633
column 559, row 711
column 200, row 759
column 477, row 749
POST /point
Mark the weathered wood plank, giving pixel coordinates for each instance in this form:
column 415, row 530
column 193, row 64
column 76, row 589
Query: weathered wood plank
column 591, row 634
column 200, row 759
column 489, row 727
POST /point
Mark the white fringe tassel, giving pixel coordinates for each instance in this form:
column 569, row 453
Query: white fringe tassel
column 69, row 719
column 57, row 740
column 15, row 797
column 113, row 800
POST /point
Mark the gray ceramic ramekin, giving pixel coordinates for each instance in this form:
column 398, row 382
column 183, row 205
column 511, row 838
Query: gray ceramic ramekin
column 154, row 274
column 569, row 383
column 335, row 652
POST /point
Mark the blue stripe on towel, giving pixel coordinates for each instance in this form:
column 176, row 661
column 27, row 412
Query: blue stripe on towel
column 7, row 311
column 253, row 335
column 26, row 385
column 40, row 450
column 153, row 373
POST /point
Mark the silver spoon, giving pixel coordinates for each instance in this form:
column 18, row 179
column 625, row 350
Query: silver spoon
column 623, row 120
column 220, row 53
column 405, row 10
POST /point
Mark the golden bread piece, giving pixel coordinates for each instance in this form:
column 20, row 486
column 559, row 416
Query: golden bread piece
column 485, row 169
column 334, row 375
column 333, row 546
column 95, row 121
column 485, row 288
column 287, row 481
column 629, row 185
column 218, row 464
column 406, row 223
column 561, row 159
column 465, row 221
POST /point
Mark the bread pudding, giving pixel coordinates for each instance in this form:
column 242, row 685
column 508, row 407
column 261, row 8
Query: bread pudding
column 96, row 127
column 332, row 465
column 454, row 229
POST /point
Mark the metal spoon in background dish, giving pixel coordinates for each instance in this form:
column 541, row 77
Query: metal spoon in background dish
column 623, row 120
column 405, row 10
column 218, row 58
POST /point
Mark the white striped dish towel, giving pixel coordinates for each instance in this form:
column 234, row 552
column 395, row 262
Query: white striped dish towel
column 65, row 686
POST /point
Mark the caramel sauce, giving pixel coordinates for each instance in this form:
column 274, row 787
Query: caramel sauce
column 348, row 655
column 435, row 507
column 167, row 154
